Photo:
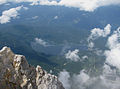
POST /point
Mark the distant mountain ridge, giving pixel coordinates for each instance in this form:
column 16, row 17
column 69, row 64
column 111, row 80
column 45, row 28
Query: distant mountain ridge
column 16, row 73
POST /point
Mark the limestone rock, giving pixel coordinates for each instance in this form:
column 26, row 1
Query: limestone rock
column 16, row 73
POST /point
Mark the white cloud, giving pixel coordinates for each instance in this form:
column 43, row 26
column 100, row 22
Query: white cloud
column 99, row 52
column 108, row 79
column 90, row 44
column 2, row 1
column 113, row 43
column 96, row 33
column 41, row 42
column 81, row 78
column 26, row 8
column 84, row 57
column 86, row 5
column 64, row 77
column 56, row 17
column 7, row 15
column 113, row 54
column 47, row 2
column 73, row 55
column 35, row 17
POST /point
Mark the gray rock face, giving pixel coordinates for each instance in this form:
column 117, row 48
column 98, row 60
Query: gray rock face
column 16, row 73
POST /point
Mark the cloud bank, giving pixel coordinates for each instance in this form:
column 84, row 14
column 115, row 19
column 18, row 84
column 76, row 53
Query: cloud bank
column 108, row 79
column 7, row 15
column 86, row 5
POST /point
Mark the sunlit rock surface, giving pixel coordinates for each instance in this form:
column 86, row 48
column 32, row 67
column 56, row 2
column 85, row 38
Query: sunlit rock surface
column 16, row 73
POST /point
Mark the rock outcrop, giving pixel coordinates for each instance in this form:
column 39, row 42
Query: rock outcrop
column 16, row 73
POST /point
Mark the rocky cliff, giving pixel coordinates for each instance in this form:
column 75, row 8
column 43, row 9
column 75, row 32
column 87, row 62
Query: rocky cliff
column 16, row 73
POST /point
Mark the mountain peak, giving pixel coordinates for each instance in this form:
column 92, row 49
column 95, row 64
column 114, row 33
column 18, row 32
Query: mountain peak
column 16, row 73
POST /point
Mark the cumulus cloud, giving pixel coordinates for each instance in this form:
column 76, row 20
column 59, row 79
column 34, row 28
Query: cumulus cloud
column 35, row 17
column 99, row 52
column 64, row 76
column 86, row 5
column 84, row 57
column 56, row 17
column 112, row 55
column 41, row 42
column 96, row 33
column 7, row 15
column 15, row 1
column 2, row 1
column 80, row 79
column 26, row 8
column 113, row 44
column 90, row 44
column 108, row 79
column 73, row 55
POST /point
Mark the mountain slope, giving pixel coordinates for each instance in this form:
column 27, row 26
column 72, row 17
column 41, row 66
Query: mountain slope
column 16, row 73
